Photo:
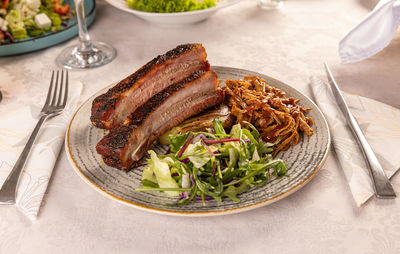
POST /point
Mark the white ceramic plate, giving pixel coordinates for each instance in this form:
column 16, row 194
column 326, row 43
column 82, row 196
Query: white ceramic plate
column 303, row 161
column 177, row 18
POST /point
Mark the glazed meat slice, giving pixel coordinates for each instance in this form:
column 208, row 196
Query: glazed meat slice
column 127, row 144
column 113, row 107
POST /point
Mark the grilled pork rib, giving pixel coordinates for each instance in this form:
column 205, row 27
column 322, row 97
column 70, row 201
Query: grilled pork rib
column 128, row 143
column 113, row 107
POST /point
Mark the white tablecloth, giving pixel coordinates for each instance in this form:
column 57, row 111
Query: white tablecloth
column 290, row 44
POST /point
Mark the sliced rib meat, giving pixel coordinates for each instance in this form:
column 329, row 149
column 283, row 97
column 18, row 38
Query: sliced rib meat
column 128, row 143
column 112, row 108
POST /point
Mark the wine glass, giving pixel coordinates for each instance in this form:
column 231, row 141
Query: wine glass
column 86, row 54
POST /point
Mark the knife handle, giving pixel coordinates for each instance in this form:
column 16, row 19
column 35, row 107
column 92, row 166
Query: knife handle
column 383, row 187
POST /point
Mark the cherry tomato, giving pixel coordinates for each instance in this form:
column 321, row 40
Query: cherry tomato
column 5, row 3
column 61, row 9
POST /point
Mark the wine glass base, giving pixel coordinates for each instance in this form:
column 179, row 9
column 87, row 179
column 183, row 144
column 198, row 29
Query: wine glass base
column 98, row 55
column 270, row 4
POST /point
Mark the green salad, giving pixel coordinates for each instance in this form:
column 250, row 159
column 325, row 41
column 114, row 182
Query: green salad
column 168, row 6
column 20, row 19
column 212, row 164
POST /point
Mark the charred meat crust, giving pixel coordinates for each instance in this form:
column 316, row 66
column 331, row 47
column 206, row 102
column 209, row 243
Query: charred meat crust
column 113, row 146
column 137, row 117
column 117, row 138
column 104, row 103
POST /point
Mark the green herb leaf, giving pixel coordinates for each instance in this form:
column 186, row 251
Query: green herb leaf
column 177, row 141
column 168, row 6
column 232, row 192
column 150, row 184
column 218, row 128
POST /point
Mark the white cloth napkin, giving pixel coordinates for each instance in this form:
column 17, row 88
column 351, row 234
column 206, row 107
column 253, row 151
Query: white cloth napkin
column 380, row 124
column 373, row 34
column 17, row 123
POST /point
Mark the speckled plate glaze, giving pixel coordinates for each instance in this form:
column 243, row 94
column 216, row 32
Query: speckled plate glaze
column 303, row 161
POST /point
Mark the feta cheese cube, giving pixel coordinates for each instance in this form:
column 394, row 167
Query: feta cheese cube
column 42, row 21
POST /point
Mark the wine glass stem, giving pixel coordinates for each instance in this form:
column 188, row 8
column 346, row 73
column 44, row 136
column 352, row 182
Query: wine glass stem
column 84, row 37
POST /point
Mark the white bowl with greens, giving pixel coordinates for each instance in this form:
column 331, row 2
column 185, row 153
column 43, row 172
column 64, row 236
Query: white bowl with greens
column 172, row 18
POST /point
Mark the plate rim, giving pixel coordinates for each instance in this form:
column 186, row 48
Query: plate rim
column 262, row 203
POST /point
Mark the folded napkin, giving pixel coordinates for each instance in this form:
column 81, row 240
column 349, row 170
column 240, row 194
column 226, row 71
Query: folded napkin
column 17, row 123
column 380, row 124
column 373, row 34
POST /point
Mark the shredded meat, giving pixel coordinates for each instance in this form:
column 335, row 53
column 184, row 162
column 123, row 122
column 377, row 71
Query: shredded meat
column 278, row 118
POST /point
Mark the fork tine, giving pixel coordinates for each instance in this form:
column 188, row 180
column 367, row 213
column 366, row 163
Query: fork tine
column 49, row 92
column 61, row 88
column 66, row 89
column 53, row 100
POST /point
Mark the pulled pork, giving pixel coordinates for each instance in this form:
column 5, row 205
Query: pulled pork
column 277, row 118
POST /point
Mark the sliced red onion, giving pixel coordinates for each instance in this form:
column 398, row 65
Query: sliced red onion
column 168, row 151
column 7, row 35
column 214, row 168
column 224, row 140
column 198, row 138
column 184, row 195
column 191, row 179
column 186, row 160
column 183, row 148
column 207, row 147
column 246, row 140
column 212, row 129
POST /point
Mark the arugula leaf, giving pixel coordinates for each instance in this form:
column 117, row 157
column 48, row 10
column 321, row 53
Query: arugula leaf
column 207, row 188
column 232, row 191
column 177, row 141
column 189, row 198
column 255, row 133
column 250, row 136
column 218, row 165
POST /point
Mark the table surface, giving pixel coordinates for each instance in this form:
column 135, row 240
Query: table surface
column 290, row 44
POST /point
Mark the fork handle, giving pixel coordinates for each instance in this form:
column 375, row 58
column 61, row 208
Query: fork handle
column 8, row 191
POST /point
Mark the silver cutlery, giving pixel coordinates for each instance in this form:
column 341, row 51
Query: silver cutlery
column 54, row 105
column 382, row 185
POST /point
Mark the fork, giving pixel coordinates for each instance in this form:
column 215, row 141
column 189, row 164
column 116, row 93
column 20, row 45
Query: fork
column 54, row 105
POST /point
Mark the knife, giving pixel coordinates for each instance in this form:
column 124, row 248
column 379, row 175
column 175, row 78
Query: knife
column 381, row 183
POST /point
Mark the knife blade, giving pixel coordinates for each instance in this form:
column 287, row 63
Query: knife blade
column 383, row 187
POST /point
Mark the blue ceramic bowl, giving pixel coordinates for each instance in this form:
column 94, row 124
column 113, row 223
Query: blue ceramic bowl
column 50, row 38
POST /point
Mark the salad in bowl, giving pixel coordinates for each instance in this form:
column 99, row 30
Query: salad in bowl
column 22, row 19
